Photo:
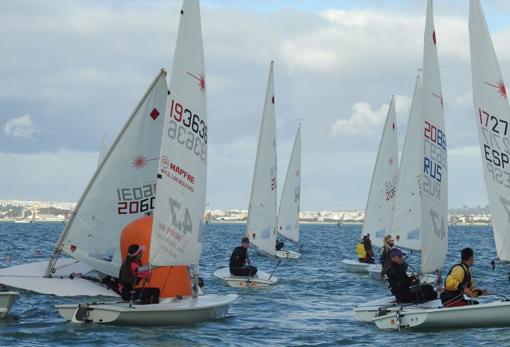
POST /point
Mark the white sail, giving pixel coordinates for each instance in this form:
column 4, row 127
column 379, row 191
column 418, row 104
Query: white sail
column 381, row 197
column 288, row 213
column 407, row 214
column 122, row 188
column 492, row 114
column 182, row 172
column 261, row 227
column 434, row 181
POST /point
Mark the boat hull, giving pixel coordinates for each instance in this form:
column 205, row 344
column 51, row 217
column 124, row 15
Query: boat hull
column 285, row 254
column 495, row 314
column 6, row 301
column 355, row 266
column 368, row 311
column 168, row 312
column 31, row 277
column 260, row 280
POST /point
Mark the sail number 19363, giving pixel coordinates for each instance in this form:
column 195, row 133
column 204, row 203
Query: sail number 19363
column 188, row 129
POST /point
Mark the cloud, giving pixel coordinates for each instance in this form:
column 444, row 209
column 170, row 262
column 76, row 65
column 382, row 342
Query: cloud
column 20, row 127
column 363, row 120
column 366, row 121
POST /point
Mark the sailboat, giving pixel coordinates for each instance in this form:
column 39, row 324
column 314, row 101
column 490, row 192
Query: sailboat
column 261, row 226
column 177, row 225
column 381, row 197
column 121, row 191
column 23, row 219
column 492, row 112
column 421, row 205
column 288, row 213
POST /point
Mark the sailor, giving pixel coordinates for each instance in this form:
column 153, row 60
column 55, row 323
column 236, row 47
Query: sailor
column 279, row 245
column 385, row 251
column 131, row 274
column 405, row 288
column 364, row 250
column 460, row 281
column 240, row 262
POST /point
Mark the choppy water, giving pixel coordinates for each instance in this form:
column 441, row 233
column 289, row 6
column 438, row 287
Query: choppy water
column 310, row 305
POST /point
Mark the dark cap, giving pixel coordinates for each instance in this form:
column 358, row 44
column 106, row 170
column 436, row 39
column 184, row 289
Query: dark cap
column 466, row 253
column 245, row 240
column 395, row 252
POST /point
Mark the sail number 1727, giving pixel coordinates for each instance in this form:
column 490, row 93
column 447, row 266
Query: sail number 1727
column 497, row 125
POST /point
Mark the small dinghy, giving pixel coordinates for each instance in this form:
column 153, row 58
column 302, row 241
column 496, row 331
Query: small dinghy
column 261, row 224
column 174, row 239
column 288, row 212
column 421, row 213
column 381, row 197
column 494, row 314
column 356, row 266
column 260, row 280
column 172, row 311
column 6, row 300
column 489, row 94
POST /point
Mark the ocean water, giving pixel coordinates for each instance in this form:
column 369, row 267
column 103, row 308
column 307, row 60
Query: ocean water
column 311, row 305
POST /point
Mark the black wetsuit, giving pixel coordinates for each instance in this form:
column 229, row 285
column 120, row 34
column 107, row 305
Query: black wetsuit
column 405, row 288
column 238, row 263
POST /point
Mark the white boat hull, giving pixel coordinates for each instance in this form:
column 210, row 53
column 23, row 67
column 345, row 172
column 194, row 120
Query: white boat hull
column 374, row 271
column 31, row 277
column 168, row 312
column 494, row 314
column 6, row 301
column 355, row 266
column 368, row 311
column 285, row 254
column 260, row 280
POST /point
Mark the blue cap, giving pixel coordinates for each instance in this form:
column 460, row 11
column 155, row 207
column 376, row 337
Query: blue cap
column 395, row 252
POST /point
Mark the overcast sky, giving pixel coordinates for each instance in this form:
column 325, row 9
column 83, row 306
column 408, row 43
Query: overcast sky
column 72, row 70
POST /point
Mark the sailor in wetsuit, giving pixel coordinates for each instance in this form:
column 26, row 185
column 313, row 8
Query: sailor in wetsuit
column 131, row 274
column 240, row 262
column 406, row 289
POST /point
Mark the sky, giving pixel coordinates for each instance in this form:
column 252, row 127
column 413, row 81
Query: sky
column 73, row 70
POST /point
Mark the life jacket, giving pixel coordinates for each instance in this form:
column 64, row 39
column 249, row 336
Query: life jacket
column 465, row 282
column 360, row 251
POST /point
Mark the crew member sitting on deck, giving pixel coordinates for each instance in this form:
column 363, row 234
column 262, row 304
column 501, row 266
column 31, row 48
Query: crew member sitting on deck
column 385, row 251
column 460, row 281
column 406, row 289
column 240, row 262
column 279, row 245
column 131, row 274
column 364, row 250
